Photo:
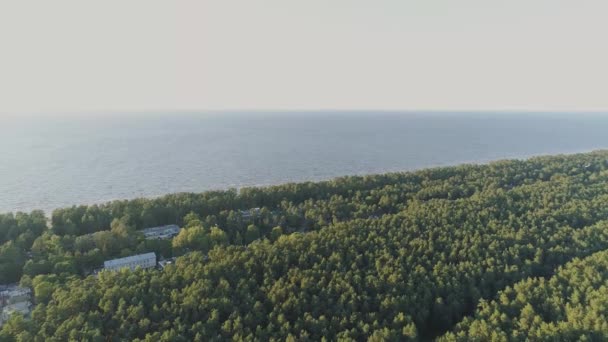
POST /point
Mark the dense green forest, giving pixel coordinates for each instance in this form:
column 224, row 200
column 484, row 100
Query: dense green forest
column 571, row 305
column 400, row 256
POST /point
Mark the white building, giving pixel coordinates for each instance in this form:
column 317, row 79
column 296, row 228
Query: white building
column 14, row 294
column 164, row 232
column 147, row 260
column 14, row 299
column 15, row 291
column 22, row 308
column 249, row 214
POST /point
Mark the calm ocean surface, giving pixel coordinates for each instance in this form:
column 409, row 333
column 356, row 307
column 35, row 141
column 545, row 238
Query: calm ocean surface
column 47, row 163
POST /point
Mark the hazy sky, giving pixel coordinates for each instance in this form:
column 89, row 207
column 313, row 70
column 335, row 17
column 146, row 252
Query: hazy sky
column 137, row 55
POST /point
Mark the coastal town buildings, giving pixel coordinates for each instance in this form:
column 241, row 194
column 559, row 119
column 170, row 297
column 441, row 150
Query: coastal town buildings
column 147, row 260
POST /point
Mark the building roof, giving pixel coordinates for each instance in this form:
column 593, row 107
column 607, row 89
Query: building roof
column 161, row 228
column 17, row 307
column 15, row 291
column 132, row 258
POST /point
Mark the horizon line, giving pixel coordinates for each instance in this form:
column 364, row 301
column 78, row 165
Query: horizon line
column 318, row 110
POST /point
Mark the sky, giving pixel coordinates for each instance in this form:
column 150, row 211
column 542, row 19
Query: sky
column 149, row 55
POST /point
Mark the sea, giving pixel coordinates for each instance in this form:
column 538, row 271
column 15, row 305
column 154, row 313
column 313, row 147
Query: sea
column 52, row 161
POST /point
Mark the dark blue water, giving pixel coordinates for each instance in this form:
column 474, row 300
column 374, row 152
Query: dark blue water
column 53, row 162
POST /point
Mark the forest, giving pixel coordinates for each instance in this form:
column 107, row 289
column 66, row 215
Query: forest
column 513, row 250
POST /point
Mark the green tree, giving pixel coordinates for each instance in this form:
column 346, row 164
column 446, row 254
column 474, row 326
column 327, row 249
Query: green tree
column 252, row 234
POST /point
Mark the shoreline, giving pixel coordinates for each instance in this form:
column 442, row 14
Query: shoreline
column 48, row 212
